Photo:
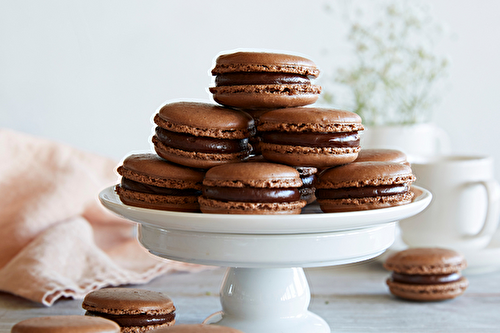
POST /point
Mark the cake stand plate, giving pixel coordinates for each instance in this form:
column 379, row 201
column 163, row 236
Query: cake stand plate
column 265, row 288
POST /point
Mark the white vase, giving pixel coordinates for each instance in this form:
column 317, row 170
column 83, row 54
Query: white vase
column 416, row 140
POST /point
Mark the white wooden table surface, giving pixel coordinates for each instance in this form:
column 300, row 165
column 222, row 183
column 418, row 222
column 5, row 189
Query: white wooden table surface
column 351, row 298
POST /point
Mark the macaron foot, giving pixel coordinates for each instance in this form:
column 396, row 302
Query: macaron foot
column 436, row 292
column 356, row 204
column 308, row 156
column 265, row 208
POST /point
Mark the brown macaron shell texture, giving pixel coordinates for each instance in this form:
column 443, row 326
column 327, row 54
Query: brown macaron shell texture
column 382, row 155
column 134, row 310
column 307, row 136
column 197, row 328
column 307, row 175
column 202, row 135
column 148, row 181
column 252, row 188
column 66, row 324
column 426, row 274
column 364, row 185
column 262, row 80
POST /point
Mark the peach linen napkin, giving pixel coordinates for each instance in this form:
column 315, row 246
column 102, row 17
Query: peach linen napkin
column 56, row 240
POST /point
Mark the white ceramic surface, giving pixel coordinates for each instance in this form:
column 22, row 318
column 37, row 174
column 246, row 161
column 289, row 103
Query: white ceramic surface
column 465, row 209
column 414, row 140
column 484, row 260
column 265, row 289
column 311, row 221
column 267, row 300
column 268, row 251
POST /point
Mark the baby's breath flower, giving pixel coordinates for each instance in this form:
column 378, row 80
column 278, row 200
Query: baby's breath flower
column 395, row 71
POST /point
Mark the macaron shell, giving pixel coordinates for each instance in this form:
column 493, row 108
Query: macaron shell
column 257, row 97
column 381, row 155
column 66, row 324
column 253, row 174
column 232, row 207
column 308, row 156
column 434, row 292
column 264, row 62
column 357, row 204
column 197, row 159
column 153, row 170
column 306, row 171
column 156, row 201
column 128, row 301
column 425, row 261
column 310, row 119
column 365, row 174
column 204, row 119
column 198, row 328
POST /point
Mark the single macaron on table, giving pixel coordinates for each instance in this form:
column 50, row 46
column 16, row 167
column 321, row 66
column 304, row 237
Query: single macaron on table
column 265, row 288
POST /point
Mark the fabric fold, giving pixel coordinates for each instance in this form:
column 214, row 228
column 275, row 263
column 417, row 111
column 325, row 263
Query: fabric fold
column 57, row 240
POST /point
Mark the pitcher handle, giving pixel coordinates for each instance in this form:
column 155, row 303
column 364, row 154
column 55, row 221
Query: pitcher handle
column 493, row 211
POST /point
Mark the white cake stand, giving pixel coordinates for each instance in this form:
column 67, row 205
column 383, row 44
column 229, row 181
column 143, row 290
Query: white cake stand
column 265, row 289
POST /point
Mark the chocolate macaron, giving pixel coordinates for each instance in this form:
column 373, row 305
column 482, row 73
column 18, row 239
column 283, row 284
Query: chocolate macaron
column 148, row 181
column 66, row 324
column 307, row 175
column 197, row 328
column 382, row 155
column 261, row 80
column 307, row 136
column 252, row 188
column 134, row 310
column 426, row 274
column 364, row 185
column 202, row 135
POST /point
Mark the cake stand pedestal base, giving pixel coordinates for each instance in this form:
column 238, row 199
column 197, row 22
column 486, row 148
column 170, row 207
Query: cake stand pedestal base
column 256, row 300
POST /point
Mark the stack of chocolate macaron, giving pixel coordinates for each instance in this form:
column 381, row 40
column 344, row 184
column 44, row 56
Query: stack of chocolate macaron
column 260, row 148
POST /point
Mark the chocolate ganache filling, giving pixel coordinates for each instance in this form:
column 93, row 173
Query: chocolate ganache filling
column 127, row 320
column 199, row 143
column 313, row 139
column 251, row 194
column 361, row 192
column 260, row 78
column 131, row 185
column 425, row 279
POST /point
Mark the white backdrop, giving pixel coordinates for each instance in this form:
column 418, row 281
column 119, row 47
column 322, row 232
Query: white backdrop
column 92, row 73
